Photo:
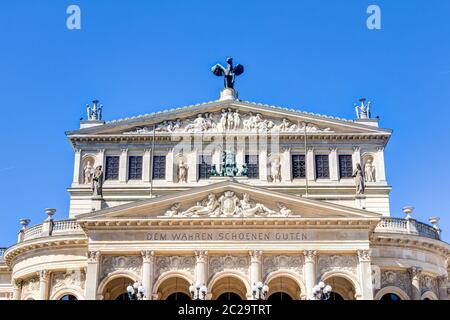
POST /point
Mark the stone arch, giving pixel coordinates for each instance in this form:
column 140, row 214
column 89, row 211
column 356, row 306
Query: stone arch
column 299, row 293
column 163, row 286
column 74, row 291
column 392, row 289
column 344, row 283
column 229, row 281
column 429, row 295
column 112, row 284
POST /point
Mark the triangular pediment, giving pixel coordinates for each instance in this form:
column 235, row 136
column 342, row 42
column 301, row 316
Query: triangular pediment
column 228, row 199
column 211, row 118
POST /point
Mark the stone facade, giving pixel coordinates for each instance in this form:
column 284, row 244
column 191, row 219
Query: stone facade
column 293, row 223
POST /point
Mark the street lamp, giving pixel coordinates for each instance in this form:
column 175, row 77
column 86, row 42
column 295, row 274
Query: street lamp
column 321, row 291
column 136, row 291
column 259, row 291
column 198, row 291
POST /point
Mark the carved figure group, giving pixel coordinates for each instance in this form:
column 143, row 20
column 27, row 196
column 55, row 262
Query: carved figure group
column 228, row 205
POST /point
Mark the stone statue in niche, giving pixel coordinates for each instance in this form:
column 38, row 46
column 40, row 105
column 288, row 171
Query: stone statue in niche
column 359, row 179
column 275, row 169
column 369, row 171
column 97, row 182
column 88, row 171
column 182, row 171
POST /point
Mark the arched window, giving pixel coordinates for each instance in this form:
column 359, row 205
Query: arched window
column 68, row 297
column 390, row 297
column 229, row 296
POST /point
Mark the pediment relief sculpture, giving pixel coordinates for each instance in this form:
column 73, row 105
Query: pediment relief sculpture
column 229, row 120
column 228, row 205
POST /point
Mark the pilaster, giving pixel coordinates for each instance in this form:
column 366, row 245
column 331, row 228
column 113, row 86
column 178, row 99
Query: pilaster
column 201, row 270
column 285, row 160
column 334, row 164
column 365, row 274
column 380, row 171
column 44, row 279
column 356, row 156
column 255, row 267
column 77, row 166
column 310, row 164
column 415, row 273
column 123, row 166
column 146, row 173
column 148, row 259
column 92, row 275
column 310, row 272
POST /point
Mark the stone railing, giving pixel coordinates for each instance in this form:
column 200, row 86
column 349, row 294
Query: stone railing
column 407, row 226
column 60, row 227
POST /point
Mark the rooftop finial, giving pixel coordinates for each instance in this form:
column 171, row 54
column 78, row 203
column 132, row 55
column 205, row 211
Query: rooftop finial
column 363, row 110
column 94, row 112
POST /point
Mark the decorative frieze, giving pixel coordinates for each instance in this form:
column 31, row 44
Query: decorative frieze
column 229, row 262
column 334, row 262
column 113, row 263
column 180, row 263
column 30, row 287
column 396, row 278
column 68, row 279
column 286, row 262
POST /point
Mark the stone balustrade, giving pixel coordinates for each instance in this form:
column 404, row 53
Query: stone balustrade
column 61, row 227
column 407, row 226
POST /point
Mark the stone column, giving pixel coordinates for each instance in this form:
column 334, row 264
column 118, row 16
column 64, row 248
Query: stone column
column 44, row 279
column 415, row 273
column 356, row 157
column 255, row 267
column 170, row 166
column 380, row 172
column 201, row 267
column 442, row 282
column 285, row 161
column 334, row 164
column 365, row 274
column 193, row 166
column 77, row 166
column 92, row 275
column 310, row 164
column 123, row 166
column 262, row 158
column 310, row 272
column 146, row 162
column 17, row 289
column 148, row 258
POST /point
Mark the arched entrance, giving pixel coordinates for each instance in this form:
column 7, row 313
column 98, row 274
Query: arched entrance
column 390, row 297
column 116, row 289
column 283, row 288
column 174, row 289
column 68, row 297
column 343, row 289
column 229, row 288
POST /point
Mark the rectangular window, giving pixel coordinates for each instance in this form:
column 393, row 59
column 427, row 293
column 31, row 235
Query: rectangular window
column 345, row 166
column 298, row 166
column 112, row 168
column 322, row 167
column 252, row 166
column 159, row 167
column 204, row 167
column 135, row 168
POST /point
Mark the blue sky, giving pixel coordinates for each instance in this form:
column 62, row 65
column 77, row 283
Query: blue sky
column 142, row 56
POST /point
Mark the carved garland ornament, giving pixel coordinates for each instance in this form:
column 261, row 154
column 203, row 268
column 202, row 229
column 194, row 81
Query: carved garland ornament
column 229, row 121
column 396, row 278
column 229, row 262
column 276, row 262
column 228, row 205
column 129, row 263
column 72, row 278
column 168, row 263
column 338, row 263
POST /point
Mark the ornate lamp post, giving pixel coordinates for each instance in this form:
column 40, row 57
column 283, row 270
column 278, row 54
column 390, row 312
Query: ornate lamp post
column 136, row 291
column 259, row 291
column 321, row 291
column 198, row 291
